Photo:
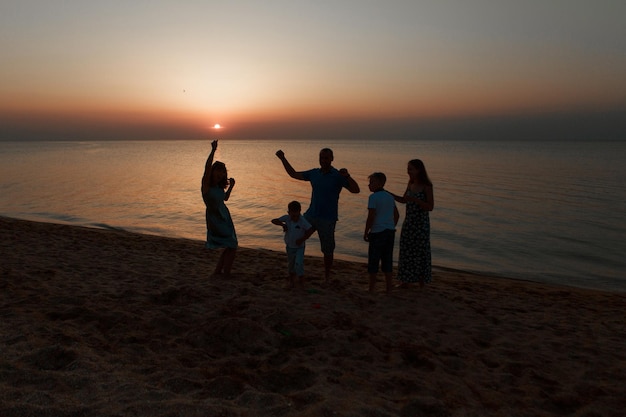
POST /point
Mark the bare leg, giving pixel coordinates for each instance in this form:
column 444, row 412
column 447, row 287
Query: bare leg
column 372, row 282
column 219, row 268
column 226, row 261
column 328, row 264
column 388, row 281
column 302, row 282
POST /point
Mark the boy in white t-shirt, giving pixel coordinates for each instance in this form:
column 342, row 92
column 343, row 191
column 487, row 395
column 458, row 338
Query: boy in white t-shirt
column 297, row 230
column 380, row 229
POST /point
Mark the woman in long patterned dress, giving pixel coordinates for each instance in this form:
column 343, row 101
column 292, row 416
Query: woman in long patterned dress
column 216, row 189
column 414, row 263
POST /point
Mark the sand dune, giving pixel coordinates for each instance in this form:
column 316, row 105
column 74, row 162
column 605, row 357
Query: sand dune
column 107, row 323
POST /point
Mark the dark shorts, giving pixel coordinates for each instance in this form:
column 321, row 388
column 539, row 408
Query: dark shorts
column 326, row 232
column 381, row 251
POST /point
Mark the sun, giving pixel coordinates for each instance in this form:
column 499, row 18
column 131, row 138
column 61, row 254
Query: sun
column 217, row 126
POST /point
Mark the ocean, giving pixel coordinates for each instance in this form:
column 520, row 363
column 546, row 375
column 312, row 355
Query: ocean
column 544, row 211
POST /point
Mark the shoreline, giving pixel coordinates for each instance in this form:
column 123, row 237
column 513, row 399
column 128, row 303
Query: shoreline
column 317, row 258
column 103, row 322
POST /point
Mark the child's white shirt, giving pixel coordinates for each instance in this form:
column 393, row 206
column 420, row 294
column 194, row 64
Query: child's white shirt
column 295, row 230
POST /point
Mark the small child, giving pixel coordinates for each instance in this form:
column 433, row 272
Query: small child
column 380, row 229
column 297, row 230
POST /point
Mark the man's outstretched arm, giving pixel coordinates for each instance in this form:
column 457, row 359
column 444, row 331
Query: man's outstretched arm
column 290, row 170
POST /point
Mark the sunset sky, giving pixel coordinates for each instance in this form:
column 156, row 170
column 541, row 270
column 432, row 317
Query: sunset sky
column 81, row 69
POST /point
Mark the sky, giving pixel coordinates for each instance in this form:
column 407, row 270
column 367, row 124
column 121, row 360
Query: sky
column 292, row 69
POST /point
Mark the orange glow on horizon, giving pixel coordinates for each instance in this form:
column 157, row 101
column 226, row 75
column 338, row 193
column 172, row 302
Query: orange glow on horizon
column 418, row 104
column 352, row 116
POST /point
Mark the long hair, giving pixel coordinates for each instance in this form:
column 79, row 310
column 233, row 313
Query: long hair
column 223, row 183
column 422, row 175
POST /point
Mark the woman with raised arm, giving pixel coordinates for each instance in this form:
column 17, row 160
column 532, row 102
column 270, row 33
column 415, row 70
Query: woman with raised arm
column 216, row 189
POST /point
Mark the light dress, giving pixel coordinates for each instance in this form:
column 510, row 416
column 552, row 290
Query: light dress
column 219, row 224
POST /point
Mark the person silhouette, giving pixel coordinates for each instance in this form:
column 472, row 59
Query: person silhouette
column 216, row 189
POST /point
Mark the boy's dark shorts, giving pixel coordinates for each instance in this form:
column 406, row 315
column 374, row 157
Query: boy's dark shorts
column 381, row 251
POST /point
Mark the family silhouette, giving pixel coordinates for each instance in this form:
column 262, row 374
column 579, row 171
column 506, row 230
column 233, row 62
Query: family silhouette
column 327, row 182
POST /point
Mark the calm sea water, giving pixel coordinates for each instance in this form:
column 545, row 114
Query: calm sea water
column 543, row 211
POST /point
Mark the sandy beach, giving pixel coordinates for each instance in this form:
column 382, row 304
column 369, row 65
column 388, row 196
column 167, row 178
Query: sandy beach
column 109, row 323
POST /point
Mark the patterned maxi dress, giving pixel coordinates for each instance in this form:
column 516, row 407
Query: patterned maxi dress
column 414, row 259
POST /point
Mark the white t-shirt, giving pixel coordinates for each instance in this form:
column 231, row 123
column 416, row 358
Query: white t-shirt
column 384, row 204
column 295, row 230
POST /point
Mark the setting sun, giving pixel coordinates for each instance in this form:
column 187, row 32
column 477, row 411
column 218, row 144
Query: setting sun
column 217, row 126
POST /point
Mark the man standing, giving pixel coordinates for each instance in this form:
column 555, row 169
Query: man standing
column 326, row 184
